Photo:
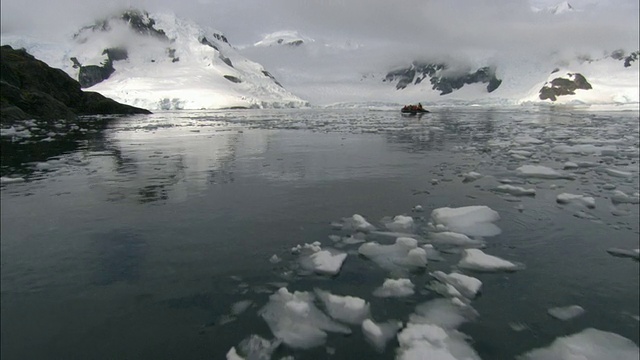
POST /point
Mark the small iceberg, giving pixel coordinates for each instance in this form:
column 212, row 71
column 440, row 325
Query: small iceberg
column 566, row 313
column 475, row 259
column 405, row 253
column 378, row 334
column 515, row 190
column 541, row 172
column 467, row 286
column 590, row 344
column 566, row 198
column 348, row 309
column 395, row 288
column 634, row 254
column 469, row 220
column 293, row 318
column 321, row 261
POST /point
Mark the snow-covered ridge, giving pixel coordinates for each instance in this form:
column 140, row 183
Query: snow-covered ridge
column 284, row 38
column 163, row 62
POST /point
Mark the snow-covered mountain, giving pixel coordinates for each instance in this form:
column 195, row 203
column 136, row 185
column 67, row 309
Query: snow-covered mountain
column 327, row 74
column 159, row 61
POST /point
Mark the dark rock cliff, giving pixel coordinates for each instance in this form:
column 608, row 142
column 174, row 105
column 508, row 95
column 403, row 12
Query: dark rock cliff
column 29, row 88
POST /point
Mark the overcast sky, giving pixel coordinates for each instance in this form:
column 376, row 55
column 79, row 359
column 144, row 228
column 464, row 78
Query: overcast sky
column 443, row 24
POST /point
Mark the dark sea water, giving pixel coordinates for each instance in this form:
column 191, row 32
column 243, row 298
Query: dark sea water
column 131, row 238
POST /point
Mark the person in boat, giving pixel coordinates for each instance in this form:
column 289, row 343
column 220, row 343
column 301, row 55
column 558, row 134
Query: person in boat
column 420, row 107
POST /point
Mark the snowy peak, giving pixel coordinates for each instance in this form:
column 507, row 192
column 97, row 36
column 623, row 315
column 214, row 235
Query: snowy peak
column 562, row 8
column 159, row 61
column 283, row 38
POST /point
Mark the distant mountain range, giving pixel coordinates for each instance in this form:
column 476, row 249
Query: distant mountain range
column 159, row 61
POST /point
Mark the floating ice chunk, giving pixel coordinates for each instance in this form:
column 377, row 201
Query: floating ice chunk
column 314, row 258
column 469, row 220
column 526, row 139
column 395, row 288
column 432, row 253
column 10, row 180
column 420, row 340
column 618, row 173
column 274, row 259
column 378, row 334
column 542, row 172
column 400, row 223
column 233, row 355
column 254, row 347
column 418, row 208
column 357, row 223
column 570, row 165
column 404, row 253
column 566, row 198
column 516, row 190
column 454, row 239
column 521, row 153
column 566, row 313
column 475, row 259
column 446, row 313
column 635, row 253
column 467, row 286
column 348, row 309
column 471, row 176
column 619, row 197
column 240, row 307
column 589, row 344
column 295, row 320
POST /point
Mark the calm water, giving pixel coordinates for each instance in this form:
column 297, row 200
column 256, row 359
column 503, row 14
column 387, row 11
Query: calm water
column 132, row 240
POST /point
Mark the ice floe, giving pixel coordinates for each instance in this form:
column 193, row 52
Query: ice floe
column 475, row 259
column 474, row 220
column 618, row 173
column 566, row 312
column 515, row 190
column 589, row 344
column 348, row 309
column 466, row 286
column 471, row 176
column 378, row 334
column 395, row 288
column 566, row 198
column 634, row 253
column 619, row 197
column 294, row 319
column 432, row 330
column 541, row 172
column 450, row 238
column 11, row 180
column 253, row 347
column 357, row 223
column 323, row 261
column 400, row 223
column 405, row 253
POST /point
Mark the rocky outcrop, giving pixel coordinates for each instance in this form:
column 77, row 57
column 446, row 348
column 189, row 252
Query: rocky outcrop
column 564, row 86
column 31, row 89
column 445, row 83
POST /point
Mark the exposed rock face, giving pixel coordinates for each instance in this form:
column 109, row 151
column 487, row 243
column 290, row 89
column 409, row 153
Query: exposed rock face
column 446, row 84
column 564, row 86
column 31, row 89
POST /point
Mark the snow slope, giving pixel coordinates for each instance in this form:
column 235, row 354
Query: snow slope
column 191, row 68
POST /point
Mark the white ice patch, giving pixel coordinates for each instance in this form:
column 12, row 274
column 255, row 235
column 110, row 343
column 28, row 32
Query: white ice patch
column 566, row 198
column 357, row 223
column 348, row 309
column 618, row 173
column 471, row 176
column 253, row 347
column 516, row 190
column 619, row 197
column 454, row 239
column 314, row 258
column 634, row 253
column 432, row 330
column 395, row 288
column 589, row 344
column 240, row 307
column 295, row 320
column 542, row 172
column 378, row 334
column 10, row 180
column 400, row 223
column 405, row 253
column 466, row 286
column 475, row 259
column 566, row 313
column 469, row 220
column 432, row 253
